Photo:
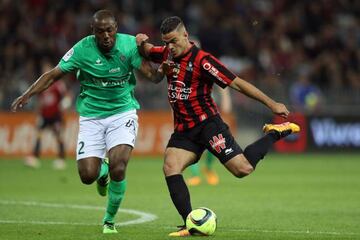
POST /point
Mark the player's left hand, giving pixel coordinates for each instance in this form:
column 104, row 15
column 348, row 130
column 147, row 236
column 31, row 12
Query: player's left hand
column 280, row 109
column 141, row 37
column 19, row 102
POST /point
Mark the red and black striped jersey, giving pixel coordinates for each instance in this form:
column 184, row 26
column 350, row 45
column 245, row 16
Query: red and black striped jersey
column 190, row 83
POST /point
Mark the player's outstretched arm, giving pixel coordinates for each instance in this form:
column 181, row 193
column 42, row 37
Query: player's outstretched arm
column 253, row 92
column 225, row 100
column 41, row 84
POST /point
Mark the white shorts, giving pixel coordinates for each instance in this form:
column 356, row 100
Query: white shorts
column 98, row 135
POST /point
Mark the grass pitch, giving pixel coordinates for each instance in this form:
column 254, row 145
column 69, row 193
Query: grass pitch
column 312, row 196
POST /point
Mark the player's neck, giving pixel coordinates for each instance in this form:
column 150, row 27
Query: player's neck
column 189, row 45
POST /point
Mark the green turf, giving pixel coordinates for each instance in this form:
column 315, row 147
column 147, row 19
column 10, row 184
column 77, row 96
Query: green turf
column 287, row 197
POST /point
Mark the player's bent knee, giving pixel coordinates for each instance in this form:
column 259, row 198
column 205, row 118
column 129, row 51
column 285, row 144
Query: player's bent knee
column 119, row 168
column 240, row 168
column 171, row 169
column 167, row 168
column 87, row 178
column 243, row 171
column 88, row 169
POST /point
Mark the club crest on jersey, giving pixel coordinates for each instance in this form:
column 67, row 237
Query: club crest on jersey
column 189, row 67
column 176, row 70
column 218, row 143
column 122, row 58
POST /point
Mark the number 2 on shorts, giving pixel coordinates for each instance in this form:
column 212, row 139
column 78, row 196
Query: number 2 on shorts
column 81, row 143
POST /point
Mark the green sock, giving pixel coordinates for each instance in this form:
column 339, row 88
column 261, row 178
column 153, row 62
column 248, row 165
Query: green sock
column 104, row 170
column 195, row 170
column 209, row 160
column 115, row 196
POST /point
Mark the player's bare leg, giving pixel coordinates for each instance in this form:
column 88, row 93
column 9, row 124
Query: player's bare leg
column 89, row 169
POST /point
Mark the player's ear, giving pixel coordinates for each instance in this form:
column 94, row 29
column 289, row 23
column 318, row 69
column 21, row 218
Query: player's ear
column 92, row 28
column 186, row 34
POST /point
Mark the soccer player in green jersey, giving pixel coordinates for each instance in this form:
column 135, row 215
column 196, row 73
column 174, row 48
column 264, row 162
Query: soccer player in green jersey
column 104, row 64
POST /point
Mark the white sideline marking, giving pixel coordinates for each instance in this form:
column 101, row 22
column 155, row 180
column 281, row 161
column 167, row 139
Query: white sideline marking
column 144, row 217
column 293, row 231
column 286, row 231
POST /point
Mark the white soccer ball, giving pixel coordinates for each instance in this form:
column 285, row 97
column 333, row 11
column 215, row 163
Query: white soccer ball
column 201, row 221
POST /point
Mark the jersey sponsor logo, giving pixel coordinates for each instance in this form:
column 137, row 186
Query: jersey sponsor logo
column 218, row 143
column 213, row 71
column 68, row 55
column 115, row 70
column 178, row 91
column 120, row 81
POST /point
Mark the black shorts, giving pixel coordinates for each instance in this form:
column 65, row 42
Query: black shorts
column 213, row 134
column 54, row 122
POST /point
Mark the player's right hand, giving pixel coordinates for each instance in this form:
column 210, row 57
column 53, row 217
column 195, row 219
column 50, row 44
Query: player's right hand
column 19, row 102
column 165, row 67
column 280, row 109
column 141, row 37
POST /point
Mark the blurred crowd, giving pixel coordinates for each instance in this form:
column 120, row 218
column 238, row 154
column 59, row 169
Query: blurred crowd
column 305, row 53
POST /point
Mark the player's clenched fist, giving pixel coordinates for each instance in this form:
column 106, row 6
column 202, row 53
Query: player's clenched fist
column 140, row 38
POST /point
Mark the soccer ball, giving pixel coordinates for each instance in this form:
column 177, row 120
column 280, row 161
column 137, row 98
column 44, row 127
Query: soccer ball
column 201, row 221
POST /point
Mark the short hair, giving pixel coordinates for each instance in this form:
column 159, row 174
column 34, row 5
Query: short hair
column 103, row 14
column 170, row 24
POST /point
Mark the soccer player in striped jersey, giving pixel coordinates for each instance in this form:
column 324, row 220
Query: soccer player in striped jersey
column 191, row 73
column 104, row 64
column 223, row 100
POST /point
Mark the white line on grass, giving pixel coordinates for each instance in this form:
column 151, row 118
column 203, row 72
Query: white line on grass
column 293, row 231
column 144, row 217
column 286, row 231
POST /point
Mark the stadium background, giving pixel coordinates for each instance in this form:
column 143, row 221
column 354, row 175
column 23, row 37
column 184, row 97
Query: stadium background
column 304, row 53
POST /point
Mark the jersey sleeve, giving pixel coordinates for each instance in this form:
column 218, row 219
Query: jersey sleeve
column 214, row 70
column 157, row 54
column 71, row 60
column 135, row 59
